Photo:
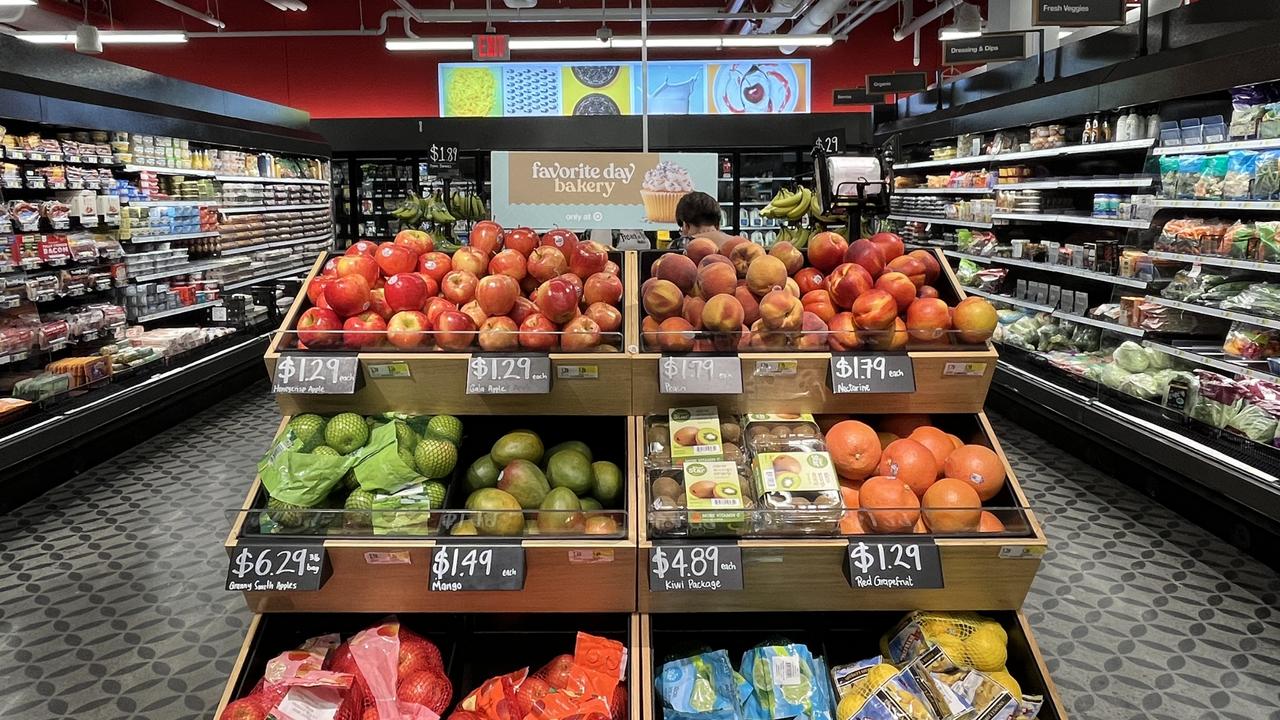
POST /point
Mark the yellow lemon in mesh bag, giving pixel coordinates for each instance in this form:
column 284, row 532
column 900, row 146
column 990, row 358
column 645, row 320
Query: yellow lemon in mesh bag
column 852, row 702
column 985, row 649
column 879, row 674
column 953, row 647
column 1003, row 677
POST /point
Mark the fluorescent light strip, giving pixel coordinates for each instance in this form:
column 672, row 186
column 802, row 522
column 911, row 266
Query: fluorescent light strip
column 620, row 43
column 17, row 3
column 107, row 36
column 426, row 44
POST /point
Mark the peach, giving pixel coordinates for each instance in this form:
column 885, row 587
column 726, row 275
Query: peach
column 928, row 291
column 791, row 287
column 826, row 250
column 608, row 317
column 677, row 268
column 766, row 273
column 928, row 319
column 714, row 258
column 716, row 279
column 816, row 296
column 743, row 255
column 699, row 248
column 824, row 310
column 750, row 305
column 975, row 318
column 692, row 311
column 846, row 283
column 649, row 332
column 703, row 345
column 813, row 332
column 508, row 262
column 676, row 335
column 762, row 338
column 875, row 310
column 780, row 310
column 867, row 254
column 723, row 313
column 663, row 299
column 894, row 339
column 732, row 243
column 790, row 256
column 899, row 286
column 580, row 334
column 499, row 334
column 890, row 245
column 843, row 336
column 602, row 287
column 931, row 267
column 909, row 266
column 809, row 279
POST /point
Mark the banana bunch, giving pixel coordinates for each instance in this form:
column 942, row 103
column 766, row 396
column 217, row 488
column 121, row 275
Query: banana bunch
column 788, row 205
column 467, row 206
column 412, row 212
column 798, row 236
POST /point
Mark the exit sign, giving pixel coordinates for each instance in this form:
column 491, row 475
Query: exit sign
column 490, row 46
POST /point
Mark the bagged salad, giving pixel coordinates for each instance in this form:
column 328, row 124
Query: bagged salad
column 1242, row 166
column 1213, row 175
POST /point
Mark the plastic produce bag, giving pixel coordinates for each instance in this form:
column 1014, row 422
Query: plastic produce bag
column 1266, row 181
column 1239, row 241
column 1213, row 174
column 1190, row 167
column 1141, row 385
column 300, row 478
column 1131, row 356
column 967, row 271
column 785, row 681
column 1268, row 249
column 380, row 467
column 1114, row 376
column 1242, row 166
column 406, row 512
column 1220, row 398
column 1249, row 342
column 702, row 687
column 1258, row 299
column 1169, row 176
column 1189, row 286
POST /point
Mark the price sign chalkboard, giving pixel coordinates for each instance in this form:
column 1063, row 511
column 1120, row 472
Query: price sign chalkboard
column 700, row 375
column 299, row 374
column 278, row 566
column 509, row 375
column 830, row 142
column 476, row 567
column 865, row 373
column 442, row 155
column 888, row 564
column 695, row 568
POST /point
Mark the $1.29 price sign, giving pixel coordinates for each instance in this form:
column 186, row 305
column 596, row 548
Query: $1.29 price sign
column 695, row 567
column 278, row 566
column 872, row 373
column 299, row 374
column 700, row 375
column 477, row 567
column 894, row 564
column 509, row 375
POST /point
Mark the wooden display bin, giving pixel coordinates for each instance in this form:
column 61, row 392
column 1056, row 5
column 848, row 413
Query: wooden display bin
column 808, row 573
column 596, row 383
column 475, row 647
column 950, row 380
column 565, row 574
column 838, row 637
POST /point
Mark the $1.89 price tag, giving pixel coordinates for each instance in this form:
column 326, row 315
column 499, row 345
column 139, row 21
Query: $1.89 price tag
column 278, row 567
column 894, row 564
column 477, row 567
column 700, row 375
column 509, row 375
column 299, row 374
column 695, row 567
column 872, row 373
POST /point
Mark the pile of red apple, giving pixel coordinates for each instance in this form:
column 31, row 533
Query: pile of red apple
column 506, row 290
column 868, row 294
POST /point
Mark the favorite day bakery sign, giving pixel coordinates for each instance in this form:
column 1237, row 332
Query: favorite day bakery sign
column 596, row 190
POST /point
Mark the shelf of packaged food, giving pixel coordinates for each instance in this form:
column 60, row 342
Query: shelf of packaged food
column 1222, row 147
column 1067, row 270
column 273, row 180
column 1216, row 312
column 1216, row 261
column 237, row 209
column 139, row 239
column 1101, row 324
column 944, row 191
column 1255, row 205
column 37, row 156
column 1212, row 356
column 176, row 311
column 168, row 171
column 939, row 221
column 1071, row 183
column 1091, row 149
column 277, row 244
column 175, row 271
column 293, row 271
column 170, row 203
column 1009, row 300
column 980, row 259
column 1072, row 219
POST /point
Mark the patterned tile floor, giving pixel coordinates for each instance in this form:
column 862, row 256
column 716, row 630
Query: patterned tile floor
column 111, row 603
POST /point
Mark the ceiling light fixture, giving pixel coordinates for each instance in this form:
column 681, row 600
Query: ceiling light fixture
column 966, row 22
column 288, row 5
column 711, row 42
column 108, row 37
column 17, row 3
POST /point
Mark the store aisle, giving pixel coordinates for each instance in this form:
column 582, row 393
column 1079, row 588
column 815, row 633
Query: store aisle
column 111, row 600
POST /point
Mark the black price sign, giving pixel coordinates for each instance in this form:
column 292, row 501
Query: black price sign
column 855, row 96
column 984, row 49
column 699, row 568
column 509, row 375
column 1077, row 13
column 896, row 82
column 278, row 566
column 700, row 375
column 477, row 567
column 830, row 142
column 887, row 564
column 860, row 373
column 298, row 374
column 442, row 154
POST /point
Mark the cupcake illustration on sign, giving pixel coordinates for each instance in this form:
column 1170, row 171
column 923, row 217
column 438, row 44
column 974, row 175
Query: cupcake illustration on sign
column 662, row 188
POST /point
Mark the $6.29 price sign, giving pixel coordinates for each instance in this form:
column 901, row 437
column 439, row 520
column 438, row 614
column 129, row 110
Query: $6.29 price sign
column 299, row 374
column 891, row 564
column 477, row 567
column 709, row 375
column 509, row 375
column 278, row 567
column 695, row 567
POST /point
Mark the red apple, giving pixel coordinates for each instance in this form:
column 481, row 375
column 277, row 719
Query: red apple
column 580, row 334
column 563, row 240
column 405, row 291
column 608, row 317
column 521, row 239
column 485, row 236
column 330, row 268
column 393, row 258
column 317, row 328
column 378, row 303
column 523, row 308
column 602, row 287
column 587, row 259
column 434, row 307
column 362, row 247
column 435, row 265
column 315, row 288
column 417, row 241
column 364, row 330
column 470, row 259
column 363, row 265
column 612, row 268
column 538, row 333
column 575, row 282
column 497, row 294
column 557, row 300
column 546, row 262
column 407, row 329
column 510, row 263
column 454, row 330
column 348, row 295
column 433, row 287
column 459, row 286
column 499, row 334
column 475, row 312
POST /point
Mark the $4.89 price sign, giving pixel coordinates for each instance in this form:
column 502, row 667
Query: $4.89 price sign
column 477, row 567
column 894, row 564
column 299, row 374
column 509, row 375
column 705, row 375
column 872, row 373
column 695, row 567
column 278, row 567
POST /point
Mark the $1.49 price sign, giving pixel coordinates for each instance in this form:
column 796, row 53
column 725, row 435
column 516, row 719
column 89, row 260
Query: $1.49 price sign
column 278, row 567
column 695, row 567
column 509, row 375
column 299, row 374
column 872, row 373
column 894, row 564
column 700, row 375
column 477, row 567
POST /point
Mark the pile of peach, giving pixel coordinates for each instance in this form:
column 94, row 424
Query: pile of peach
column 864, row 295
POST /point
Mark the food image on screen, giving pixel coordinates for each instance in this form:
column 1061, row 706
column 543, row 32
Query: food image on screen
column 595, row 76
column 531, row 90
column 471, row 92
column 596, row 104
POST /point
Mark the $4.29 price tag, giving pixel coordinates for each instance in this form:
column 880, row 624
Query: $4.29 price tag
column 893, row 564
column 872, row 373
column 477, row 567
column 695, row 568
column 509, row 375
column 278, row 566
column 700, row 375
column 298, row 374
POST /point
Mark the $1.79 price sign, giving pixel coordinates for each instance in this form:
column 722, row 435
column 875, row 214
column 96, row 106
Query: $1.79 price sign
column 477, row 567
column 872, row 373
column 700, row 375
column 894, row 564
column 299, row 374
column 509, row 375
column 278, row 567
column 695, row 567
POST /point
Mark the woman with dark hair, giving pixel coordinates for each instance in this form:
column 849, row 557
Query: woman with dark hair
column 698, row 215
